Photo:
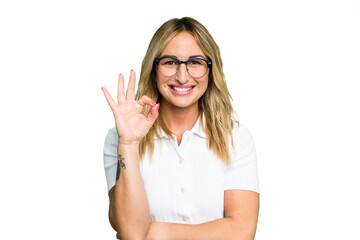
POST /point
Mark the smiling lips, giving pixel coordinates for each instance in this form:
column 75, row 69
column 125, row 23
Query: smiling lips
column 181, row 90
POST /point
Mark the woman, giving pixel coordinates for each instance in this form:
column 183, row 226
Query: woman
column 183, row 168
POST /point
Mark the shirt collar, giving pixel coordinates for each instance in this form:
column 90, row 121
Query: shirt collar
column 162, row 134
column 196, row 129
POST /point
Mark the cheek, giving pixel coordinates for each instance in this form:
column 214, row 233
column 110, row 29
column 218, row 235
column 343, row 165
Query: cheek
column 205, row 86
column 161, row 85
column 160, row 82
column 205, row 83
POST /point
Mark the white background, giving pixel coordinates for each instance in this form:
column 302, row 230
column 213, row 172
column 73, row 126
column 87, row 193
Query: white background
column 292, row 67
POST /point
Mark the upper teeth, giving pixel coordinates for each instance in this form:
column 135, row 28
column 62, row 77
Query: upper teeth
column 182, row 89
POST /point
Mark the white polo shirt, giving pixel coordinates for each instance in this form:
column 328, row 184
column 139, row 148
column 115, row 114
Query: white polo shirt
column 186, row 183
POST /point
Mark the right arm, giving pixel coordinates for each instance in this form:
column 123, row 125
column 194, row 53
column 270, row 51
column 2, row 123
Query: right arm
column 129, row 210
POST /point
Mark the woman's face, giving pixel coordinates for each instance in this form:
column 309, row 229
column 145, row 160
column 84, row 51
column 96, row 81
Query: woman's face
column 182, row 90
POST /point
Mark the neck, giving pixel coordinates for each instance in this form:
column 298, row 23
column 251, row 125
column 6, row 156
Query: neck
column 178, row 120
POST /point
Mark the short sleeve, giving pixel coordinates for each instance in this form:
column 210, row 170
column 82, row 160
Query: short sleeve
column 243, row 173
column 110, row 157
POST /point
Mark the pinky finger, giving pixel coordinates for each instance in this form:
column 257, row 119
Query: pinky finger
column 109, row 99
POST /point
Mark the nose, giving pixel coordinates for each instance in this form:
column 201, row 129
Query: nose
column 182, row 75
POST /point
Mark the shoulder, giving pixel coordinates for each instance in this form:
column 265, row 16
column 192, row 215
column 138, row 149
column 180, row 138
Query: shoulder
column 112, row 135
column 243, row 142
column 241, row 134
column 110, row 157
column 111, row 140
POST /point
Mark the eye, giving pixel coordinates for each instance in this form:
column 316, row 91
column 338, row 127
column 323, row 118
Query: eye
column 170, row 62
column 194, row 62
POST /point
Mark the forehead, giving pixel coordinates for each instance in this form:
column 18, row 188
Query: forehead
column 182, row 45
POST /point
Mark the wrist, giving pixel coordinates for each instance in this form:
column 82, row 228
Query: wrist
column 128, row 143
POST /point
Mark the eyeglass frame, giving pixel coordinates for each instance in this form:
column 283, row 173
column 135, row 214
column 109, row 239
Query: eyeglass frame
column 208, row 62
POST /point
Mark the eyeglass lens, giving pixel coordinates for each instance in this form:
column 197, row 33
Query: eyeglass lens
column 195, row 67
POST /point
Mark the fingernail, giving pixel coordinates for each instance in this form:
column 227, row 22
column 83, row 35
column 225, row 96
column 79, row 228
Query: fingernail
column 158, row 106
column 102, row 89
column 153, row 103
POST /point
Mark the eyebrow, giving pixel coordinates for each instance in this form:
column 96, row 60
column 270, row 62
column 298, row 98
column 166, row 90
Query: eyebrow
column 193, row 56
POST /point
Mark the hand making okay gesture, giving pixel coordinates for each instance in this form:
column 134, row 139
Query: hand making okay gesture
column 131, row 124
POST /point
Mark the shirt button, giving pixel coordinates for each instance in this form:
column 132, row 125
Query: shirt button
column 182, row 190
column 184, row 219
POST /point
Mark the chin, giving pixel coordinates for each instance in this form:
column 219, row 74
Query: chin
column 182, row 103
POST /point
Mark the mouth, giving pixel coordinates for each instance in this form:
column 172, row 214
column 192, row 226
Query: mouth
column 181, row 90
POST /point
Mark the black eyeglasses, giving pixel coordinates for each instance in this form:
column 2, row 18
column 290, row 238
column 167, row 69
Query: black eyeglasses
column 170, row 65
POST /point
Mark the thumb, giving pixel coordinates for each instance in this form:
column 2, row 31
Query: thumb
column 154, row 113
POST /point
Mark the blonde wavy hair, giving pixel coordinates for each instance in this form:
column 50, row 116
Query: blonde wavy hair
column 215, row 104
